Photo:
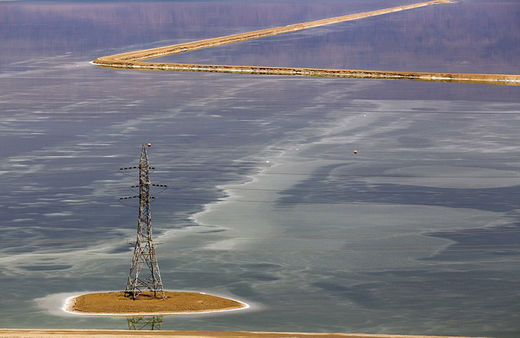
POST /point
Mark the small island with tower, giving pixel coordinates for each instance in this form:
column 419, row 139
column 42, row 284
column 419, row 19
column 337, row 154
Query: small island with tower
column 144, row 293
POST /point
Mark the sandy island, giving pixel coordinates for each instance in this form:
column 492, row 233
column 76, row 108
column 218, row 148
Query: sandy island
column 132, row 60
column 117, row 304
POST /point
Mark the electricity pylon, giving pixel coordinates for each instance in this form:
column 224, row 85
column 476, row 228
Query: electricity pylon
column 144, row 272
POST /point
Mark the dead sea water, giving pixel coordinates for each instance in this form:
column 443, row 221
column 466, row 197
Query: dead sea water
column 417, row 233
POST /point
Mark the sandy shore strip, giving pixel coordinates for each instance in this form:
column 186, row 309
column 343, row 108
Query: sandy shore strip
column 177, row 303
column 132, row 60
column 188, row 334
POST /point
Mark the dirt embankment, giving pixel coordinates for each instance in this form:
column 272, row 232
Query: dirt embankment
column 133, row 60
column 13, row 333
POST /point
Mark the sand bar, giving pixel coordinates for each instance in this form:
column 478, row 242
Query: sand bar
column 117, row 304
column 133, row 60
column 8, row 333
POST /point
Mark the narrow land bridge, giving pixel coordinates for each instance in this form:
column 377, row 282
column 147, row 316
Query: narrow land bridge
column 133, row 60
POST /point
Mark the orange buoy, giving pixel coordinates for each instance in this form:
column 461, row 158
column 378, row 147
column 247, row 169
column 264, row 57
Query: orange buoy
column 149, row 145
column 355, row 152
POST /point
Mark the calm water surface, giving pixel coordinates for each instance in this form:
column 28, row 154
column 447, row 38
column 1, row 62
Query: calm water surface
column 418, row 233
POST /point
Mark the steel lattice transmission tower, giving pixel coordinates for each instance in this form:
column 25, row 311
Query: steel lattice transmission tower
column 144, row 273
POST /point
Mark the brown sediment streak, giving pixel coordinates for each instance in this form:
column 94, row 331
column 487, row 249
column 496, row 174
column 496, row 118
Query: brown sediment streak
column 133, row 60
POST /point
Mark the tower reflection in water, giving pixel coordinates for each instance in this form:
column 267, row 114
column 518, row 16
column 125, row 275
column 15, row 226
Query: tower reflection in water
column 145, row 323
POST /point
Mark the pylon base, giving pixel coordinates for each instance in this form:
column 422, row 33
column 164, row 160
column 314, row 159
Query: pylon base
column 119, row 304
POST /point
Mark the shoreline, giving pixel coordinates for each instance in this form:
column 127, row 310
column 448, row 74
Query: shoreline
column 133, row 60
column 11, row 333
